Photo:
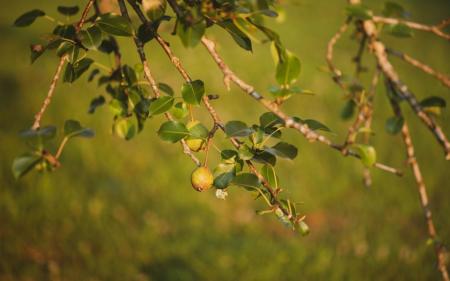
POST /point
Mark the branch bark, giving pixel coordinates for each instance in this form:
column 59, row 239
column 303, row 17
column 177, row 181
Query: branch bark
column 63, row 59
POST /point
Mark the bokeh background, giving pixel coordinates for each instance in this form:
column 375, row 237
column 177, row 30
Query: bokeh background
column 119, row 210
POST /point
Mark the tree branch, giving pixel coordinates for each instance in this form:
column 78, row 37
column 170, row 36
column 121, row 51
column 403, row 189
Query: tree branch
column 444, row 79
column 436, row 29
column 51, row 90
column 381, row 55
column 337, row 74
column 423, row 196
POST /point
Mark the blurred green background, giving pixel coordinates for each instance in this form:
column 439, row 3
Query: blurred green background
column 120, row 210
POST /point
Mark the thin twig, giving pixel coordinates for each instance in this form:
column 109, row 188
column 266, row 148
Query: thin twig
column 359, row 54
column 414, row 25
column 62, row 60
column 337, row 74
column 444, row 79
column 364, row 113
column 385, row 65
column 423, row 195
column 393, row 79
column 152, row 81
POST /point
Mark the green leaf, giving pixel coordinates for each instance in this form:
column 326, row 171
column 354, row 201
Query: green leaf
column 36, row 138
column 73, row 128
column 288, row 70
column 160, row 105
column 115, row 25
column 166, row 89
column 265, row 157
column 197, row 130
column 348, row 110
column 223, row 175
column 269, row 120
column 283, row 150
column 24, row 163
column 67, row 48
column 129, row 74
column 193, row 92
column 239, row 37
column 91, row 38
column 268, row 172
column 191, row 35
column 394, row 125
column 359, row 11
column 96, row 102
column 303, row 228
column 118, row 107
column 392, row 9
column 74, row 71
column 67, row 31
column 124, row 128
column 433, row 101
column 68, row 10
column 315, row 125
column 229, row 155
column 245, row 153
column 173, row 131
column 179, row 110
column 247, row 180
column 400, row 30
column 145, row 33
column 237, row 129
column 28, row 18
column 367, row 153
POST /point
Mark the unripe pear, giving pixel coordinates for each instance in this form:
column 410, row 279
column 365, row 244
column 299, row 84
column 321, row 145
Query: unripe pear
column 193, row 143
column 202, row 179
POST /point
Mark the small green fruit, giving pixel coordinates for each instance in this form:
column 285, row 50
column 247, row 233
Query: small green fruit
column 202, row 179
column 195, row 144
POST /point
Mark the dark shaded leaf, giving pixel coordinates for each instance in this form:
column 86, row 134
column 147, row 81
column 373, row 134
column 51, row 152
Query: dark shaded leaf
column 247, row 180
column 400, row 30
column 283, row 150
column 68, row 10
column 24, row 163
column 74, row 71
column 359, row 11
column 237, row 129
column 96, row 102
column 115, row 25
column 394, row 125
column 91, row 38
column 239, row 37
column 73, row 128
column 28, row 18
column 166, row 89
